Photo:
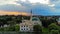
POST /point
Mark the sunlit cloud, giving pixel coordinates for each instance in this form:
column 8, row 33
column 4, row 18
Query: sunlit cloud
column 13, row 13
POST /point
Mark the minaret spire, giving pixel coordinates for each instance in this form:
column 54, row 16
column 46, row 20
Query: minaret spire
column 31, row 16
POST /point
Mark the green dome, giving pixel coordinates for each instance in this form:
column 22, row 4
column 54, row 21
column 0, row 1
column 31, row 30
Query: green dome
column 35, row 19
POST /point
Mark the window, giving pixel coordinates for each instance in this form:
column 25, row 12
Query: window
column 24, row 26
column 21, row 26
column 27, row 29
column 30, row 29
column 21, row 29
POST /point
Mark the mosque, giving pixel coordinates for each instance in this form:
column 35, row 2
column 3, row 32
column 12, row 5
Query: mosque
column 27, row 25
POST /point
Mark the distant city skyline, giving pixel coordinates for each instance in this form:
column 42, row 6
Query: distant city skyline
column 39, row 7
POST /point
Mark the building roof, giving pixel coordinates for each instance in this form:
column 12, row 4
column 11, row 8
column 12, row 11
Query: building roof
column 27, row 22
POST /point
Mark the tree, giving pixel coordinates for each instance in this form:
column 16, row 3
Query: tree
column 11, row 28
column 11, row 23
column 1, row 29
column 45, row 22
column 53, row 26
column 54, row 32
column 17, row 27
column 37, row 29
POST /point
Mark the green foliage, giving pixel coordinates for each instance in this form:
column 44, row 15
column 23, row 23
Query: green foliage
column 53, row 26
column 1, row 29
column 45, row 30
column 37, row 29
column 17, row 27
column 10, row 28
column 54, row 32
column 5, row 29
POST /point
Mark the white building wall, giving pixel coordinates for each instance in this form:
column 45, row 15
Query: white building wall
column 25, row 28
column 59, row 22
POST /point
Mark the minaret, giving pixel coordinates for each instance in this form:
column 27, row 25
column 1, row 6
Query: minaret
column 22, row 18
column 31, row 15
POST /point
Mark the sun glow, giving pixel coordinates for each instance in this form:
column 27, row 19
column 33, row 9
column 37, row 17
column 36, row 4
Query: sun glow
column 13, row 13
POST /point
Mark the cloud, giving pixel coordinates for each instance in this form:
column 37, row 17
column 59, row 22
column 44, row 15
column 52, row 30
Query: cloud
column 39, row 7
column 11, row 7
column 3, row 2
column 54, row 1
column 56, row 8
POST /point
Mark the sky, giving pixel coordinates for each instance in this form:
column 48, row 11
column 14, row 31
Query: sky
column 38, row 7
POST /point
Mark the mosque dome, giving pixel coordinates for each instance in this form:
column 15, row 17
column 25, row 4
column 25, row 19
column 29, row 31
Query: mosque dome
column 35, row 19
